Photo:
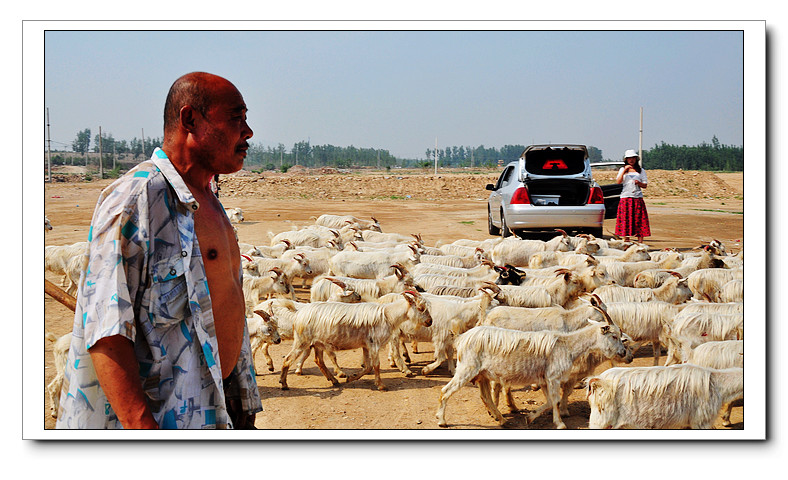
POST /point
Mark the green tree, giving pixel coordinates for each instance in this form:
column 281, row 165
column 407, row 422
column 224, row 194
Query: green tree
column 81, row 144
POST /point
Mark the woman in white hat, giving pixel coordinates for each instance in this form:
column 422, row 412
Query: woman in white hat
column 632, row 218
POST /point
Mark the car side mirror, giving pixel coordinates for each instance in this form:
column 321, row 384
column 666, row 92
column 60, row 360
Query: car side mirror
column 489, row 186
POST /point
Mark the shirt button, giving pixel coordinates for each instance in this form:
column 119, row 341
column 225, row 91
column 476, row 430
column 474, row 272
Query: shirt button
column 172, row 271
column 183, row 253
column 194, row 206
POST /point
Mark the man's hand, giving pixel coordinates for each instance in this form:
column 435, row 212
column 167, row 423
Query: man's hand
column 117, row 370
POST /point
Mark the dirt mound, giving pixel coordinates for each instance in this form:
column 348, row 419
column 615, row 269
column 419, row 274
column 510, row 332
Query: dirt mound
column 328, row 183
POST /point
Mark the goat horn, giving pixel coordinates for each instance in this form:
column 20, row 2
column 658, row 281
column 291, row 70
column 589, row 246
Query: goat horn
column 604, row 314
column 266, row 317
column 336, row 282
column 562, row 232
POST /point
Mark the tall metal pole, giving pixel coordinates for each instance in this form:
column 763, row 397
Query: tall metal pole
column 101, row 155
column 640, row 140
column 49, row 151
column 143, row 144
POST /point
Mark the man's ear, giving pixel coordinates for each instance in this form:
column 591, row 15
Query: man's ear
column 187, row 118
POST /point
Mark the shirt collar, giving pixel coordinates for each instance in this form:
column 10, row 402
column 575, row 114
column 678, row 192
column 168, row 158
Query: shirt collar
column 164, row 165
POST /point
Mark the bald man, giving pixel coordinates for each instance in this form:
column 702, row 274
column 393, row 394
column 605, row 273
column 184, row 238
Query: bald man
column 160, row 337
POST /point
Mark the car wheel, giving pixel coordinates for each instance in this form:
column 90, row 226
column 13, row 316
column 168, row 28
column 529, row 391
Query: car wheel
column 492, row 229
column 505, row 232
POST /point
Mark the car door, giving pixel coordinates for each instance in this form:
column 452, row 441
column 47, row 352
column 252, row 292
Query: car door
column 497, row 195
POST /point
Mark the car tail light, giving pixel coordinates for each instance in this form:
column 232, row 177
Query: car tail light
column 596, row 196
column 520, row 196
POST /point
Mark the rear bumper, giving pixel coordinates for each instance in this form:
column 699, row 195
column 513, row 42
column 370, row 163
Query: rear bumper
column 519, row 217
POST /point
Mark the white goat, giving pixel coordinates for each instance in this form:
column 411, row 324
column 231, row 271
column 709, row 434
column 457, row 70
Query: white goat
column 255, row 287
column 263, row 331
column 674, row 290
column 719, row 355
column 283, row 312
column 645, row 322
column 705, row 283
column 509, row 357
column 57, row 257
column 47, row 223
column 339, row 221
column 332, row 326
column 517, row 252
column 60, row 354
column 732, row 291
column 678, row 396
column 294, row 266
column 309, row 238
column 565, row 288
column 368, row 289
column 236, row 215
column 451, row 316
column 690, row 329
column 370, row 264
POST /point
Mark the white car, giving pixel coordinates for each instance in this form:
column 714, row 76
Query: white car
column 549, row 187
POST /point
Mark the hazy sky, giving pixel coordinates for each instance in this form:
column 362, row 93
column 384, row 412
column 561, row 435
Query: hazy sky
column 399, row 90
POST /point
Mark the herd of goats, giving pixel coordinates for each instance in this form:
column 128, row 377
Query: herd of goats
column 500, row 313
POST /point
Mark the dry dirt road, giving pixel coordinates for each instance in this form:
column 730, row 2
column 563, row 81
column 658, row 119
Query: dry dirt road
column 686, row 209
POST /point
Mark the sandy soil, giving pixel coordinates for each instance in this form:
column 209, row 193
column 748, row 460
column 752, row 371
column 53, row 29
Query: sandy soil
column 686, row 209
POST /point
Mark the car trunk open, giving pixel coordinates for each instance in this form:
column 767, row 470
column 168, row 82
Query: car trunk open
column 558, row 192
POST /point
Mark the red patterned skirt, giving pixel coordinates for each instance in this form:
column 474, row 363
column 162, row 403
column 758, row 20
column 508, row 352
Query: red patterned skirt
column 632, row 218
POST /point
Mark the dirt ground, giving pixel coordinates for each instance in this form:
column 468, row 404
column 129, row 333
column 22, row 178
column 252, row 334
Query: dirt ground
column 686, row 209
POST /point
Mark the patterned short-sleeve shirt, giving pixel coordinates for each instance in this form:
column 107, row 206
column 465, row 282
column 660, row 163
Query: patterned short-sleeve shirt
column 145, row 280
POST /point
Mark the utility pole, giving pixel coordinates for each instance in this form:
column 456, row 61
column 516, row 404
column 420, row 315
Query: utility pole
column 143, row 144
column 49, row 151
column 101, row 154
column 113, row 156
column 640, row 140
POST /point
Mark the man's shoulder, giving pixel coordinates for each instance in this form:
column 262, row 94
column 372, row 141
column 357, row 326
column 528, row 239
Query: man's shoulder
column 143, row 176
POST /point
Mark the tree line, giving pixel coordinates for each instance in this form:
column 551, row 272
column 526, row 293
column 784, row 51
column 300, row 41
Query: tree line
column 706, row 156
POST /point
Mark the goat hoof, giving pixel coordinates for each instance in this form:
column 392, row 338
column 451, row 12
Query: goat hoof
column 382, row 388
column 285, row 387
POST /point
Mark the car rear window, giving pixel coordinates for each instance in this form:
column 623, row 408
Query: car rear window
column 555, row 161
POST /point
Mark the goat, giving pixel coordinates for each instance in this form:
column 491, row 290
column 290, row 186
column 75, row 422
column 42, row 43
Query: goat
column 719, row 355
column 283, row 312
column 510, row 357
column 47, row 224
column 60, row 353
column 332, row 326
column 451, row 316
column 338, row 221
column 565, row 287
column 235, row 215
column 690, row 329
column 256, row 287
column 732, row 291
column 517, row 252
column 371, row 264
column 645, row 322
column 674, row 290
column 263, row 330
column 368, row 289
column 677, row 396
column 705, row 283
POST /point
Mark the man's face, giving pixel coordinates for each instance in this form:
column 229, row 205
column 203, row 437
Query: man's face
column 225, row 134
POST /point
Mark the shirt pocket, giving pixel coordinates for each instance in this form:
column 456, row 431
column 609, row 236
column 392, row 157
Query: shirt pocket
column 169, row 299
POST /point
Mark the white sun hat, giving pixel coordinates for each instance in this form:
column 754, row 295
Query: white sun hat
column 630, row 153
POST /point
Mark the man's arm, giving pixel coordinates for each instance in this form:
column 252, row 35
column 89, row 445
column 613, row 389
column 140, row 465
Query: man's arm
column 117, row 370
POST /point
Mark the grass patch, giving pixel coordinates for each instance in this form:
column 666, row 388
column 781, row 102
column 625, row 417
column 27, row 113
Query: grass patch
column 467, row 222
column 718, row 211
